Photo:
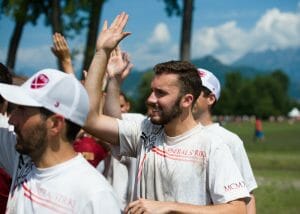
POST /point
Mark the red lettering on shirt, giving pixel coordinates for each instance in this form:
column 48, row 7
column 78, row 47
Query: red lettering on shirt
column 193, row 155
column 234, row 186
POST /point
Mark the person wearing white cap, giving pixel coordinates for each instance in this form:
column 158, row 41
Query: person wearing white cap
column 202, row 111
column 48, row 175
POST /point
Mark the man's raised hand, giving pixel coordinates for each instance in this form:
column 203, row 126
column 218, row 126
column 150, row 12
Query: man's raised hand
column 110, row 37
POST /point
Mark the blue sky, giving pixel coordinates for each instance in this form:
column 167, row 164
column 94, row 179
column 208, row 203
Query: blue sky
column 226, row 29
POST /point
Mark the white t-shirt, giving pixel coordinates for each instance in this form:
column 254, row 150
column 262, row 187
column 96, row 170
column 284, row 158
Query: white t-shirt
column 131, row 162
column 70, row 187
column 117, row 176
column 137, row 117
column 195, row 167
column 238, row 152
column 122, row 170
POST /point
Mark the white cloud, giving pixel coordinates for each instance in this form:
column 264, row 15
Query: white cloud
column 228, row 41
column 30, row 60
column 146, row 56
column 160, row 34
column 158, row 48
column 274, row 30
column 34, row 57
column 277, row 30
column 223, row 41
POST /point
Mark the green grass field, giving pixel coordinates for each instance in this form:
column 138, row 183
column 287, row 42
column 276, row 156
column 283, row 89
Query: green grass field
column 276, row 165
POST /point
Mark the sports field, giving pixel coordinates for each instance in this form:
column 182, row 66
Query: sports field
column 276, row 165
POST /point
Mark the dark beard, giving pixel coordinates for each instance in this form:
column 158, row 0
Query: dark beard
column 35, row 143
column 167, row 117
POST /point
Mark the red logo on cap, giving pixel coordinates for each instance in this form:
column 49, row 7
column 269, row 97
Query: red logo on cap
column 40, row 81
column 201, row 73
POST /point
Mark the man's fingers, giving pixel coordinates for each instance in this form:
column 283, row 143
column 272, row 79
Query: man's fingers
column 63, row 42
column 104, row 25
column 113, row 24
column 118, row 50
column 122, row 21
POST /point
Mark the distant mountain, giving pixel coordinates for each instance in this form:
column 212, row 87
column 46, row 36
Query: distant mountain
column 131, row 83
column 249, row 65
column 219, row 69
column 288, row 60
column 212, row 64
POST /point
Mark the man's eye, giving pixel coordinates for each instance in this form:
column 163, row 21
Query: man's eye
column 160, row 93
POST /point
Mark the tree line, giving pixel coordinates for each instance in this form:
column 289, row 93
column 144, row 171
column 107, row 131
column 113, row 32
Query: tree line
column 71, row 17
column 264, row 95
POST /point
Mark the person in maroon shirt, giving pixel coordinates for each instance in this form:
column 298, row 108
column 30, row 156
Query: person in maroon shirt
column 5, row 181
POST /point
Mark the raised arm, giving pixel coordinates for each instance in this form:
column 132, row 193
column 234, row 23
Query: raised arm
column 61, row 50
column 118, row 68
column 97, row 124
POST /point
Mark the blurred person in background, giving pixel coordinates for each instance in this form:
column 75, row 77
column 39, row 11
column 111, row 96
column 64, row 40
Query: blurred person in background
column 258, row 132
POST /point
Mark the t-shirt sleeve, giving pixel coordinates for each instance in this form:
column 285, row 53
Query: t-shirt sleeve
column 225, row 181
column 244, row 166
column 129, row 135
column 134, row 117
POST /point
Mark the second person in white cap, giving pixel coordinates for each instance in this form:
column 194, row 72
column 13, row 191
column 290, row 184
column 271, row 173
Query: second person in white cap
column 202, row 111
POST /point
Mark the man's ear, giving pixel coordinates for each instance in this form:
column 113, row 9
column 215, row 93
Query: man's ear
column 211, row 99
column 187, row 100
column 128, row 106
column 56, row 124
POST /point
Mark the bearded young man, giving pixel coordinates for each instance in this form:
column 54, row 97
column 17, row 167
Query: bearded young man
column 181, row 168
column 48, row 175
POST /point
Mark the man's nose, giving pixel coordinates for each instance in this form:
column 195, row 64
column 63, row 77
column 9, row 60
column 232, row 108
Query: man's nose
column 152, row 98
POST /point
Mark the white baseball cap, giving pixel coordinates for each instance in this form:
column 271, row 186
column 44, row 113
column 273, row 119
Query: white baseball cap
column 54, row 90
column 210, row 81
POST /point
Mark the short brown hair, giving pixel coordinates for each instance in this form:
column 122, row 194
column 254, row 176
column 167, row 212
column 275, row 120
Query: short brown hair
column 189, row 80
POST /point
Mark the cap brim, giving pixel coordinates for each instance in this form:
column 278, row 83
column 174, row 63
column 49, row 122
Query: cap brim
column 17, row 95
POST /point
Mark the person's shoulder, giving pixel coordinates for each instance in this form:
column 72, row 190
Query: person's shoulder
column 132, row 119
column 90, row 176
column 88, row 184
column 133, row 116
column 208, row 135
column 224, row 133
